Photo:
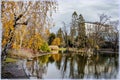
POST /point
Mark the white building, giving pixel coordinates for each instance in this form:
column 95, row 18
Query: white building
column 92, row 28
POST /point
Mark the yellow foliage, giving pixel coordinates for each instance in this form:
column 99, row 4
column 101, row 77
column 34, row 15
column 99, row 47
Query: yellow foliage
column 15, row 46
column 47, row 32
column 35, row 41
column 12, row 18
column 56, row 41
column 97, row 47
column 19, row 35
column 7, row 27
column 56, row 57
column 4, row 42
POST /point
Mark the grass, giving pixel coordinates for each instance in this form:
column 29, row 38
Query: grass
column 10, row 60
column 19, row 54
column 62, row 49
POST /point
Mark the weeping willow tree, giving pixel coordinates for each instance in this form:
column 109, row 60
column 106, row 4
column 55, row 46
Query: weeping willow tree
column 35, row 16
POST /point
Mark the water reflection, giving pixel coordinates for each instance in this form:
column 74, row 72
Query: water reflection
column 33, row 69
column 72, row 66
column 102, row 67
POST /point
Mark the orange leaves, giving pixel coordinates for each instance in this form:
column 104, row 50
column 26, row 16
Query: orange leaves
column 47, row 32
column 16, row 15
column 4, row 42
column 34, row 41
column 7, row 27
column 15, row 46
column 37, row 41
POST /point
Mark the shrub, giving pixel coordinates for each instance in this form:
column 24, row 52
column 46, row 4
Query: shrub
column 45, row 47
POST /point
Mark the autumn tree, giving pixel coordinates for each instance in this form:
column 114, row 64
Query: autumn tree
column 56, row 41
column 19, row 37
column 35, row 14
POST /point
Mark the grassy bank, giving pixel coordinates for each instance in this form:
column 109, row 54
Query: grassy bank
column 23, row 53
column 62, row 49
column 19, row 54
column 28, row 54
column 8, row 59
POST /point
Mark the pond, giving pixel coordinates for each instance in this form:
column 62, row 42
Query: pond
column 72, row 66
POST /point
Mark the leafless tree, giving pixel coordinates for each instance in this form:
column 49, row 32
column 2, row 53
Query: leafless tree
column 65, row 34
column 113, row 34
column 96, row 38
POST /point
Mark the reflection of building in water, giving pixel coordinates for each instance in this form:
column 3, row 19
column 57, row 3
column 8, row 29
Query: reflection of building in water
column 101, row 68
column 82, row 67
column 33, row 69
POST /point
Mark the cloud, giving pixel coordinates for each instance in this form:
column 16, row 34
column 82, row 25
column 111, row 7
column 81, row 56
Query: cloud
column 88, row 8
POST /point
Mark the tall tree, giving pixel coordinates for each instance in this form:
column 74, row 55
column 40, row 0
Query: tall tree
column 59, row 35
column 113, row 34
column 81, row 31
column 51, row 38
column 73, row 28
column 35, row 14
column 65, row 35
column 56, row 41
column 96, row 38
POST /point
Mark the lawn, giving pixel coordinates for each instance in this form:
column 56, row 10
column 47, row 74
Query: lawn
column 62, row 49
column 10, row 60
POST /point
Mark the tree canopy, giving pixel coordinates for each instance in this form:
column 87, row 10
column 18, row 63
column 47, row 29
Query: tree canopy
column 25, row 23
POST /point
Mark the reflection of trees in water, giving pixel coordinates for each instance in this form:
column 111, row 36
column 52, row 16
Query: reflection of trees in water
column 37, row 66
column 69, row 62
column 112, row 67
column 101, row 67
column 64, row 66
column 96, row 67
column 71, row 75
column 44, row 59
column 81, row 61
column 58, row 61
column 74, row 66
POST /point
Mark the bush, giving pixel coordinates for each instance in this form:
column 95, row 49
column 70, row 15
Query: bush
column 45, row 47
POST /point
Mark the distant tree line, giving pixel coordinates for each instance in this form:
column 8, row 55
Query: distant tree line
column 104, row 33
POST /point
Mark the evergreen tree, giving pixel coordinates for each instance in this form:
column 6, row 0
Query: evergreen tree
column 81, row 31
column 73, row 27
column 59, row 35
column 51, row 38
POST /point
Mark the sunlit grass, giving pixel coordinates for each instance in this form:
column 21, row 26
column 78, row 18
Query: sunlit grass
column 20, row 54
column 62, row 49
column 10, row 60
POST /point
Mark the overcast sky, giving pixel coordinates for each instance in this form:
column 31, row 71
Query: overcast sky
column 90, row 9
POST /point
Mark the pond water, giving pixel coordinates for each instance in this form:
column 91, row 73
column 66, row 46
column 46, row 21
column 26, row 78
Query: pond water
column 72, row 66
